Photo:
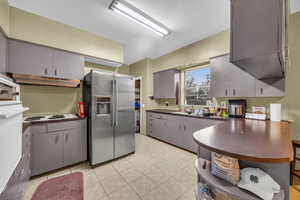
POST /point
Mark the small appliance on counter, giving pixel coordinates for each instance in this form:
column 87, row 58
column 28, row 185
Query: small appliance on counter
column 257, row 113
column 237, row 108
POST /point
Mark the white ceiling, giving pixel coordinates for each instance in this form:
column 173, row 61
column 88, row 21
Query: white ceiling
column 189, row 21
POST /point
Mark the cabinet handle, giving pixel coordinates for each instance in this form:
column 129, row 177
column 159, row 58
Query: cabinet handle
column 179, row 126
column 261, row 91
column 226, row 92
column 67, row 137
column 56, row 139
column 184, row 128
column 55, row 72
column 233, row 92
column 46, row 71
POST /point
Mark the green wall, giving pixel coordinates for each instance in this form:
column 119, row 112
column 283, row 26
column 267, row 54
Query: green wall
column 37, row 29
column 58, row 100
column 4, row 16
column 49, row 100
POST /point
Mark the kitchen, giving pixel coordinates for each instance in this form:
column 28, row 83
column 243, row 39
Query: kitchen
column 155, row 168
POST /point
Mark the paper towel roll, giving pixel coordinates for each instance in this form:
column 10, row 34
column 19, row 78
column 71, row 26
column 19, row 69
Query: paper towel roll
column 275, row 112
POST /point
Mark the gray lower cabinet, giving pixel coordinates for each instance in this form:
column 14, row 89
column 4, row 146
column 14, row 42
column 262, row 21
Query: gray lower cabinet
column 31, row 59
column 47, row 152
column 176, row 130
column 75, row 145
column 3, row 52
column 193, row 125
column 56, row 145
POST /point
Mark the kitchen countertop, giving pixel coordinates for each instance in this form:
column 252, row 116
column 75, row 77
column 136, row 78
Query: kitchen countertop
column 174, row 112
column 252, row 140
column 26, row 124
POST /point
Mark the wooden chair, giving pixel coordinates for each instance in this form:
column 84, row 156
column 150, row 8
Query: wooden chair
column 294, row 171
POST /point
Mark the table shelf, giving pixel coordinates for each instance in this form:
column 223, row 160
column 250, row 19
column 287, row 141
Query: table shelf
column 224, row 186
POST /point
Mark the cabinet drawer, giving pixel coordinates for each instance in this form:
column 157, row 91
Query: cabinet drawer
column 38, row 129
column 158, row 116
column 78, row 124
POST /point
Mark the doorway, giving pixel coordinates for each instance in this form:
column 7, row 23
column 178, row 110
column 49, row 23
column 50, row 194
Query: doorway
column 138, row 104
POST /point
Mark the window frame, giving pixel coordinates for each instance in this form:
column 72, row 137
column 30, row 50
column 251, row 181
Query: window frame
column 183, row 75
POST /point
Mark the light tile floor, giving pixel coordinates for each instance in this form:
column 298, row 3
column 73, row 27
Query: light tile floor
column 157, row 171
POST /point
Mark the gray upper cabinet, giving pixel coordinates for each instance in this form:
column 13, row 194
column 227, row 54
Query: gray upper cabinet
column 241, row 84
column 274, row 89
column 258, row 36
column 166, row 84
column 67, row 65
column 227, row 80
column 219, row 85
column 31, row 59
column 3, row 53
column 254, row 25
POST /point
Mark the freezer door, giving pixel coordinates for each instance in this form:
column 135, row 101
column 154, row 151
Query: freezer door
column 101, row 136
column 124, row 116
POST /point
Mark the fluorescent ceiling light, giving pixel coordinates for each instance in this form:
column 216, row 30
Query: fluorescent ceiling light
column 136, row 15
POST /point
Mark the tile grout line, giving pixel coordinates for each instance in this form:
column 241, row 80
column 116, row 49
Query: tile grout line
column 128, row 182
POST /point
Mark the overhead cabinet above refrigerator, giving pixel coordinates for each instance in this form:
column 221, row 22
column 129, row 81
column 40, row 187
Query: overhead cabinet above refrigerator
column 258, row 36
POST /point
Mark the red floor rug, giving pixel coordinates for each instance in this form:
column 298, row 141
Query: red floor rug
column 67, row 187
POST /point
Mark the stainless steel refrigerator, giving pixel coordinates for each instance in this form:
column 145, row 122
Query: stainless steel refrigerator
column 109, row 103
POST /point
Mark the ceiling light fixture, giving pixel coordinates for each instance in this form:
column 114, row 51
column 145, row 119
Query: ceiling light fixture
column 136, row 15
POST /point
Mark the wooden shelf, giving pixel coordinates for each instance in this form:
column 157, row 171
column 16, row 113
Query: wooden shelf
column 224, row 186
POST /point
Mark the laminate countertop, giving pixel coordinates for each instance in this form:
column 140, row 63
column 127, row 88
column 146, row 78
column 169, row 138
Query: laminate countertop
column 252, row 140
column 27, row 124
column 174, row 112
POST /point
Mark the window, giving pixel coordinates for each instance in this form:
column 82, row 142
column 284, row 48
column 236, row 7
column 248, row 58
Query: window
column 197, row 85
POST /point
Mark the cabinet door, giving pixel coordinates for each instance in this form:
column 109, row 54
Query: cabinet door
column 241, row 83
column 164, row 84
column 156, row 85
column 167, row 84
column 176, row 130
column 47, row 152
column 67, row 65
column 255, row 27
column 25, row 58
column 157, row 128
column 219, row 86
column 75, row 146
column 275, row 89
column 3, row 53
column 227, row 80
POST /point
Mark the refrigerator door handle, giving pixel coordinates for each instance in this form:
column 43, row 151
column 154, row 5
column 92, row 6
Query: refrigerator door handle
column 112, row 104
column 116, row 105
